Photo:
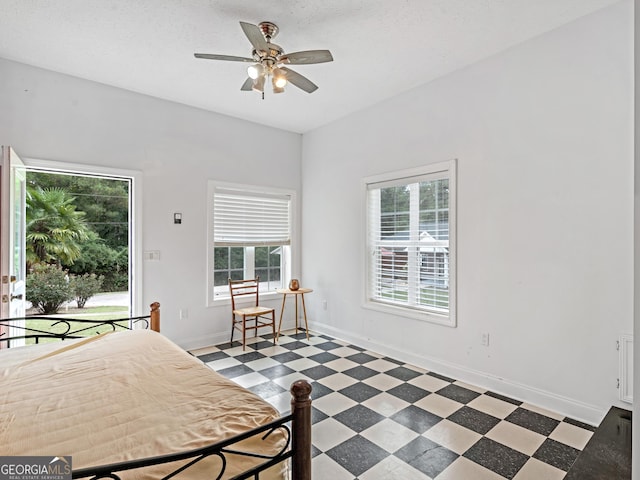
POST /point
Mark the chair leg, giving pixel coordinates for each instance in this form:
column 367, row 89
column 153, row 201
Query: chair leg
column 233, row 327
column 244, row 332
column 273, row 326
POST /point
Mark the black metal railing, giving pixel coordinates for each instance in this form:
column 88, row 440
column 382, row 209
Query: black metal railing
column 61, row 328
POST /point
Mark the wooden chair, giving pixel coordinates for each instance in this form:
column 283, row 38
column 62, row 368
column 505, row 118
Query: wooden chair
column 264, row 316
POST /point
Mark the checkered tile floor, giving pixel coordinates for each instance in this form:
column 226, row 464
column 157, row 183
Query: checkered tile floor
column 377, row 418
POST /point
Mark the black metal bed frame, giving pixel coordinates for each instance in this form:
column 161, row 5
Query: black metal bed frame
column 296, row 425
column 80, row 331
column 297, row 428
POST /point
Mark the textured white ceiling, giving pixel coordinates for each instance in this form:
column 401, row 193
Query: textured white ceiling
column 380, row 47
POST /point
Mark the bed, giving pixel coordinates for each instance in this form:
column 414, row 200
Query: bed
column 132, row 405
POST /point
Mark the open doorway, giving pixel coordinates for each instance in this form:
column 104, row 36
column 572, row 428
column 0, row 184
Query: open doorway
column 78, row 244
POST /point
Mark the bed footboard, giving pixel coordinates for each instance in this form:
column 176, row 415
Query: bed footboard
column 296, row 425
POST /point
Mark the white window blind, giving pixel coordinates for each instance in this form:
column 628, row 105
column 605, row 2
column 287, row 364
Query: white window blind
column 411, row 257
column 250, row 219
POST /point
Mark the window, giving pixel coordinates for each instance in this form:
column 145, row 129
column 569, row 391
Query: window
column 411, row 242
column 251, row 236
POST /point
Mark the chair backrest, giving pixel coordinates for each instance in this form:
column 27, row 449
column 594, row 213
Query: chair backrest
column 244, row 288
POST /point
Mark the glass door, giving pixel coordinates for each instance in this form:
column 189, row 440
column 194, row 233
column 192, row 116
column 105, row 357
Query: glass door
column 12, row 234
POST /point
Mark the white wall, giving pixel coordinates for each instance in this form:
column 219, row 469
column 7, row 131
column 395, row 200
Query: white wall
column 543, row 134
column 45, row 115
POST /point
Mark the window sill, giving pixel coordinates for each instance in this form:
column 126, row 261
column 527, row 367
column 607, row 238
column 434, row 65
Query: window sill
column 430, row 317
column 220, row 301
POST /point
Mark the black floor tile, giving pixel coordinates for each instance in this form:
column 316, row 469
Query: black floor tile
column 324, row 357
column 317, row 415
column 318, row 372
column 294, row 345
column 496, row 457
column 408, row 393
column 360, row 392
column 533, row 421
column 276, row 371
column 403, row 373
column 416, row 419
column 557, row 454
column 358, row 418
column 212, row 357
column 357, row 455
column 286, row 357
column 327, row 345
column 261, row 345
column 361, row 357
column 318, row 390
column 473, row 419
column 458, row 393
column 235, row 371
column 360, row 372
column 427, row 456
column 249, row 357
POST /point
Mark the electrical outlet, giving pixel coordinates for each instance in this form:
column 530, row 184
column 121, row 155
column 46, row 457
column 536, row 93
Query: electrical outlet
column 184, row 313
column 484, row 339
column 324, row 304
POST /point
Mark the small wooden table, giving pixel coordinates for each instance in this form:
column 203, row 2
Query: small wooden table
column 298, row 293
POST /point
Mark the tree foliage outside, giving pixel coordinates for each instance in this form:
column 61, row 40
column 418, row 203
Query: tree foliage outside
column 85, row 286
column 81, row 223
column 48, row 287
column 55, row 229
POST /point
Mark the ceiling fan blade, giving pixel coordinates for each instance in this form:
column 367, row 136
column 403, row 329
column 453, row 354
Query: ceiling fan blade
column 299, row 81
column 307, row 57
column 247, row 86
column 229, row 58
column 254, row 34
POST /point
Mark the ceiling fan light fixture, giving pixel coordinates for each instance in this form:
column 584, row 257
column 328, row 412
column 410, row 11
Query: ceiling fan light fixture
column 279, row 78
column 255, row 71
column 258, row 84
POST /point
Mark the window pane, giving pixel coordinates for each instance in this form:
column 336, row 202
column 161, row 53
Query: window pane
column 263, row 273
column 428, row 197
column 220, row 278
column 443, row 193
column 236, row 260
column 262, row 256
column 236, row 274
column 221, row 258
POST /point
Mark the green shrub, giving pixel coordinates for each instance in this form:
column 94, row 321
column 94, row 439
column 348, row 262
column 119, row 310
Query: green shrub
column 85, row 286
column 48, row 288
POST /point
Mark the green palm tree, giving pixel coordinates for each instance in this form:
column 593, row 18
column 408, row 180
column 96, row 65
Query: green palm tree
column 55, row 231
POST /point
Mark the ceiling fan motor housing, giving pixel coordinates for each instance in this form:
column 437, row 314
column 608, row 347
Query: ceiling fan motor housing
column 269, row 30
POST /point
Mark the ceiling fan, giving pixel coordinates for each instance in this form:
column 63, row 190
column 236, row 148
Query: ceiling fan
column 268, row 60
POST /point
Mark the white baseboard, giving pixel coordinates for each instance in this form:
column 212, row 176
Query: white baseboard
column 568, row 407
column 194, row 343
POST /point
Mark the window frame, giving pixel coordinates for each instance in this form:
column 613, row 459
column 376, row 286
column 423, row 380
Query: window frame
column 445, row 169
column 287, row 250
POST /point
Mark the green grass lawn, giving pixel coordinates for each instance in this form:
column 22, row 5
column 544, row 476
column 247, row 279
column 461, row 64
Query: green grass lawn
column 90, row 313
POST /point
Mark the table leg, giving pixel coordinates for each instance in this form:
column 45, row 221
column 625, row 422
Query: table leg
column 284, row 297
column 304, row 309
column 296, row 313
